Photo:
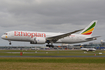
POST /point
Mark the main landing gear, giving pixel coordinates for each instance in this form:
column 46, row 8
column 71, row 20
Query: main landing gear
column 50, row 45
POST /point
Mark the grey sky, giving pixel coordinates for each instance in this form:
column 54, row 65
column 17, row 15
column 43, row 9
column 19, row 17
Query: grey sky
column 51, row 16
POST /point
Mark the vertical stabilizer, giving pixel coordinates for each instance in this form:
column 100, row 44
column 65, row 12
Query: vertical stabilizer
column 89, row 29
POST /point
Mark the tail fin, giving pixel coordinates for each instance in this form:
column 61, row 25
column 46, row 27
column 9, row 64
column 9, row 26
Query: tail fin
column 89, row 29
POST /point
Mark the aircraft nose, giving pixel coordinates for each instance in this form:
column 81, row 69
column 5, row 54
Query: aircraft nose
column 2, row 36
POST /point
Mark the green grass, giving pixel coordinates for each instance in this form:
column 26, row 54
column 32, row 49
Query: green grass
column 51, row 66
column 55, row 60
column 50, row 53
column 51, row 63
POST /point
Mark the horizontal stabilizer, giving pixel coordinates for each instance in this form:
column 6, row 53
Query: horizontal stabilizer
column 93, row 38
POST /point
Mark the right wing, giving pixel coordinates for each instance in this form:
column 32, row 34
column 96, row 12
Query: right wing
column 55, row 38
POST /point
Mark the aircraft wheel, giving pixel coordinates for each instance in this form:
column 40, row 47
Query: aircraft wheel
column 9, row 43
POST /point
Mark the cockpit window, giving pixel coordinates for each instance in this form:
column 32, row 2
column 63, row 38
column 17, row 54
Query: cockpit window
column 5, row 33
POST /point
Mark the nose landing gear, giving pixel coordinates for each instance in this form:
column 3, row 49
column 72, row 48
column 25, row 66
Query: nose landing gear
column 9, row 42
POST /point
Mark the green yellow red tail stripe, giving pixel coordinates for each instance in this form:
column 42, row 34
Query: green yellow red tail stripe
column 89, row 30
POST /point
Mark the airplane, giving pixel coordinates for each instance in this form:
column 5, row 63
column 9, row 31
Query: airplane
column 88, row 49
column 50, row 37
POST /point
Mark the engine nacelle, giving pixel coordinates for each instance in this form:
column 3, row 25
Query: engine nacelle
column 38, row 40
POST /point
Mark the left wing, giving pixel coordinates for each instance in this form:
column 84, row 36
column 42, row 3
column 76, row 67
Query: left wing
column 55, row 38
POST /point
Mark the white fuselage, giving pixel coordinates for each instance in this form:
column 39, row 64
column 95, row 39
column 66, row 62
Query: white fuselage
column 29, row 36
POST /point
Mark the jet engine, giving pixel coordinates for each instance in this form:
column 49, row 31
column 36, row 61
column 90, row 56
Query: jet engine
column 38, row 40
